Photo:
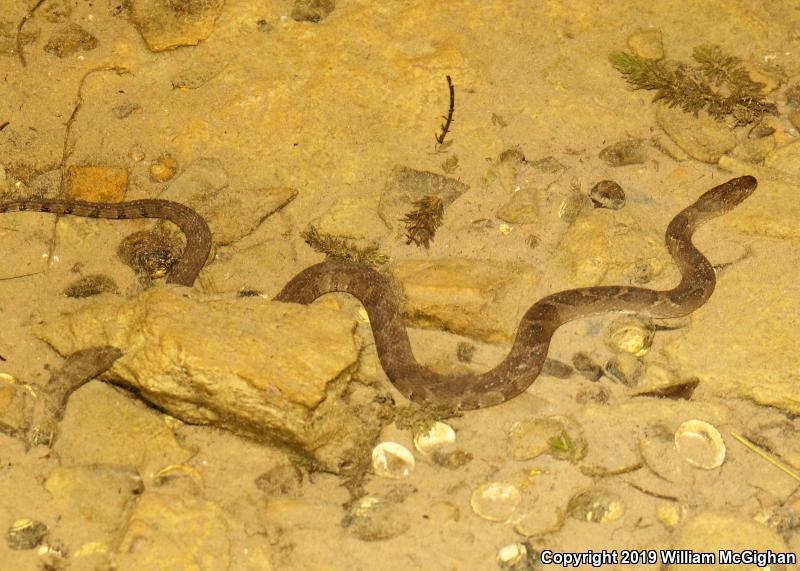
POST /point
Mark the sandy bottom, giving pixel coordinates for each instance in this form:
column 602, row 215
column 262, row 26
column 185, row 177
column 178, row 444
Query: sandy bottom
column 329, row 109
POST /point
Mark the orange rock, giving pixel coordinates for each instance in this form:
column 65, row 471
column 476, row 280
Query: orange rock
column 97, row 183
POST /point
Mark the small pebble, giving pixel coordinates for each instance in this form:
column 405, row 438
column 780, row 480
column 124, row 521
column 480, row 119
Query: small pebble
column 557, row 369
column 312, row 10
column 163, row 168
column 760, row 131
column 25, row 534
column 596, row 506
column 452, row 460
column 647, row 44
column 625, row 368
column 374, row 519
column 585, row 365
column 630, row 152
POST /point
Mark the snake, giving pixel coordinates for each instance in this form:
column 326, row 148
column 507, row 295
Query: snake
column 194, row 227
column 461, row 391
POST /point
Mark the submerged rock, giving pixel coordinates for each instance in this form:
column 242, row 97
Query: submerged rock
column 270, row 371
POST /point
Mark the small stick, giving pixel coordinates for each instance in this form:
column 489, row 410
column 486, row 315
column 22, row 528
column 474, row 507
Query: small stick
column 28, row 16
column 777, row 463
column 445, row 127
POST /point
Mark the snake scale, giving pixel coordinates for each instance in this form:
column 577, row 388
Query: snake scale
column 466, row 391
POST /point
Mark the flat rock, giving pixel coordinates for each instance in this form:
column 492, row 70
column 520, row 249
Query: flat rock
column 97, row 183
column 406, row 185
column 267, row 370
column 352, row 218
column 203, row 185
column 774, row 209
column 785, row 162
column 70, row 39
column 603, row 243
column 165, row 25
column 477, row 298
column 711, row 532
column 166, row 531
column 701, row 136
column 743, row 342
column 312, row 10
column 123, row 432
column 521, row 208
column 94, row 499
column 647, row 44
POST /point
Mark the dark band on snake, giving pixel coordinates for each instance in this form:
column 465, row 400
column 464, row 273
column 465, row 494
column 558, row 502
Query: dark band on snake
column 466, row 391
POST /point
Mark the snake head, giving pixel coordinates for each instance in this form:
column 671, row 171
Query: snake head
column 727, row 195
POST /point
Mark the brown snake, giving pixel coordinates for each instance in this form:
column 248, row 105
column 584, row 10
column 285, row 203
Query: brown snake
column 463, row 391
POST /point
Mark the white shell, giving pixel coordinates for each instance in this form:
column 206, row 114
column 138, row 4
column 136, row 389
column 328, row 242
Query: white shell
column 495, row 501
column 631, row 334
column 392, row 460
column 511, row 554
column 700, row 444
column 596, row 505
column 439, row 434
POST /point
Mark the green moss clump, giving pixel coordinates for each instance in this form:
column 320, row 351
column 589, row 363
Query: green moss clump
column 718, row 83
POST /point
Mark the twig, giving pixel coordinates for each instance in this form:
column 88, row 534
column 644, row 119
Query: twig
column 65, row 150
column 22, row 22
column 445, row 127
column 777, row 463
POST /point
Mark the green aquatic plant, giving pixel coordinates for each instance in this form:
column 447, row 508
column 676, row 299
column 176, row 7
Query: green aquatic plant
column 718, row 84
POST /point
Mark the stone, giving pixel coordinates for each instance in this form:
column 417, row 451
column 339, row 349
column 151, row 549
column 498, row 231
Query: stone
column 595, row 247
column 774, row 212
column 274, row 372
column 647, row 44
column 733, row 349
column 166, row 531
column 406, row 185
column 70, row 39
column 16, row 407
column 785, row 163
column 352, row 218
column 794, row 118
column 94, row 499
column 165, row 24
column 628, row 152
column 711, row 532
column 233, row 215
column 123, row 432
column 95, row 183
column 203, row 185
column 312, row 10
column 521, row 208
column 701, row 137
column 468, row 297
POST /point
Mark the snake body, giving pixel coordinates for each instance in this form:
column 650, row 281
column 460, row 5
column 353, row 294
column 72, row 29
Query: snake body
column 466, row 391
column 198, row 236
